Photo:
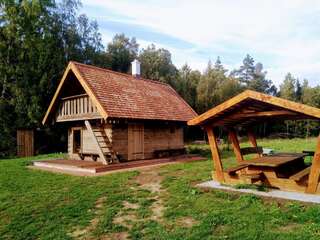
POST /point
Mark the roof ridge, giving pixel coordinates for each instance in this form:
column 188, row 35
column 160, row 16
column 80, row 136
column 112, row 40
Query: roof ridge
column 120, row 73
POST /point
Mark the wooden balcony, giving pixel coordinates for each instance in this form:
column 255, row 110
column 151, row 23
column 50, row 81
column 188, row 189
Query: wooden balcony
column 79, row 107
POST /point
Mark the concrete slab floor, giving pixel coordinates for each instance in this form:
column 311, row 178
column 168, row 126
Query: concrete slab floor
column 302, row 197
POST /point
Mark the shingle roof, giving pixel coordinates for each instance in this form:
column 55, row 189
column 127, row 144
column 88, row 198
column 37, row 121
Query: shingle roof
column 124, row 96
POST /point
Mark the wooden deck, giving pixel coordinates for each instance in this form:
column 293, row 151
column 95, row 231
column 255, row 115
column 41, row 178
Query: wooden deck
column 81, row 166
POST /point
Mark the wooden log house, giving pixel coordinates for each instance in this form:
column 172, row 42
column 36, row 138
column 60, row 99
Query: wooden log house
column 285, row 171
column 113, row 116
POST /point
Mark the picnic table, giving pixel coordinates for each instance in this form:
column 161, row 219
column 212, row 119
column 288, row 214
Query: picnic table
column 277, row 160
column 279, row 165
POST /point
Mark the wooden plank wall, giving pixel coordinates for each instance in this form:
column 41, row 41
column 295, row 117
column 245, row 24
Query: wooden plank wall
column 88, row 144
column 161, row 137
column 120, row 139
column 136, row 141
column 25, row 143
column 157, row 136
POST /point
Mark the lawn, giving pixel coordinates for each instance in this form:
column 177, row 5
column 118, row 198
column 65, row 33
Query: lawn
column 158, row 203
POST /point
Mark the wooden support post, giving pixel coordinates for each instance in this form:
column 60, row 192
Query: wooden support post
column 215, row 154
column 235, row 144
column 253, row 141
column 313, row 180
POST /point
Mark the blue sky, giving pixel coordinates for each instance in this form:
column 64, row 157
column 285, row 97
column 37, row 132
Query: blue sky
column 283, row 35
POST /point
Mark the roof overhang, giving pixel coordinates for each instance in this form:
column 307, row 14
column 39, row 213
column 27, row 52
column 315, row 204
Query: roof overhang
column 251, row 107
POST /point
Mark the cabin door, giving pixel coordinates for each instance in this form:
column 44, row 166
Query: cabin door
column 77, row 140
column 135, row 141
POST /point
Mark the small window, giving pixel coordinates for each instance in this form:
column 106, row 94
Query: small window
column 76, row 141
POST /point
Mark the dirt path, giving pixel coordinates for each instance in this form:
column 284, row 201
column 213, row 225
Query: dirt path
column 149, row 179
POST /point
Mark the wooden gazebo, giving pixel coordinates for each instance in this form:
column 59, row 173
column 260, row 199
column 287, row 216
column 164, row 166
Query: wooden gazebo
column 285, row 171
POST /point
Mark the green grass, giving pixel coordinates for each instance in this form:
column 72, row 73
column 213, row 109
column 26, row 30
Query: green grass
column 41, row 205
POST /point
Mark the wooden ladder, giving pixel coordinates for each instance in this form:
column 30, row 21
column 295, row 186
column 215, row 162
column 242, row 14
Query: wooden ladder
column 104, row 145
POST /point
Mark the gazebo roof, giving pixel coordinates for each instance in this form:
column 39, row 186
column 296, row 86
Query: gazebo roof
column 251, row 107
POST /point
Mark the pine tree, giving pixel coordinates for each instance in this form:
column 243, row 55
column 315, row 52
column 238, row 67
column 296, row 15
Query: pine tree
column 218, row 66
column 287, row 88
column 298, row 91
column 187, row 86
column 209, row 86
column 253, row 77
column 246, row 71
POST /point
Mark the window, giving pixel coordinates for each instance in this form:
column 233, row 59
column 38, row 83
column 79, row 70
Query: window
column 76, row 140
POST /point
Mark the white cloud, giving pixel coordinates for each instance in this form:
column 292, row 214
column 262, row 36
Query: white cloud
column 281, row 34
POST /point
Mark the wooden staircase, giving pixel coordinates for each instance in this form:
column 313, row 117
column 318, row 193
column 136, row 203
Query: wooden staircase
column 104, row 145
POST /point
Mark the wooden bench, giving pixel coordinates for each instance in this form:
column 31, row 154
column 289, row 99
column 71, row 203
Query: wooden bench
column 94, row 156
column 251, row 150
column 299, row 175
column 169, row 152
column 233, row 170
column 251, row 177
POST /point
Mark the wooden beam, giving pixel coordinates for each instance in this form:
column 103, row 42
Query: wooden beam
column 313, row 180
column 75, row 96
column 235, row 144
column 217, row 164
column 253, row 141
column 250, row 116
column 262, row 114
column 79, row 117
column 101, row 154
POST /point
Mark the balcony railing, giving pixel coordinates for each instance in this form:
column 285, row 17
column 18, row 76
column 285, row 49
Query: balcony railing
column 79, row 107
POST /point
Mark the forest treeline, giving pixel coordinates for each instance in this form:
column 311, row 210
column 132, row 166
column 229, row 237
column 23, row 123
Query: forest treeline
column 39, row 38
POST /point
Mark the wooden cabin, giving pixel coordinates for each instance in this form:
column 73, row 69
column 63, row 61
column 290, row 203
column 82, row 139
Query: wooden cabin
column 283, row 170
column 113, row 116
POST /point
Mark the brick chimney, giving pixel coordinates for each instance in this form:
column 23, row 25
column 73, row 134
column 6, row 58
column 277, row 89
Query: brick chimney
column 135, row 68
